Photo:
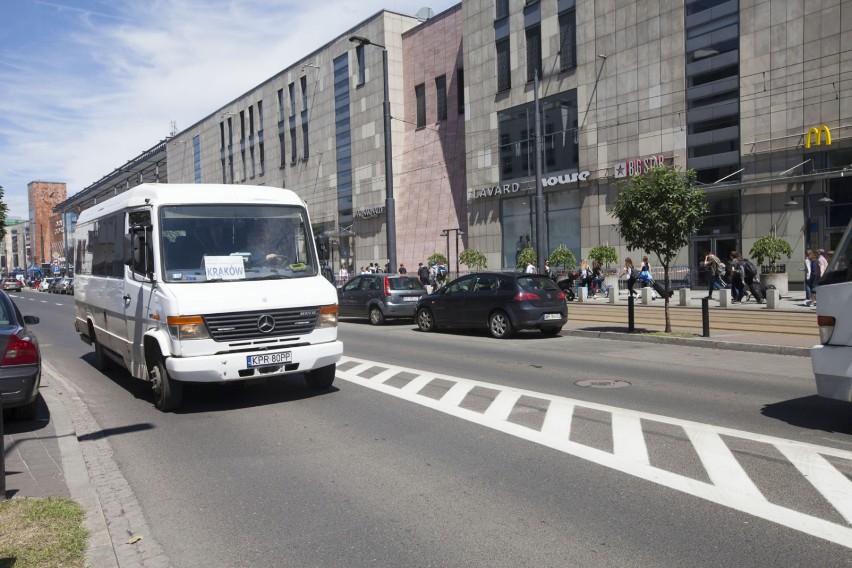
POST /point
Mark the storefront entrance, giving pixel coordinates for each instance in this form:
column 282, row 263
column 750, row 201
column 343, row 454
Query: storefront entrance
column 721, row 245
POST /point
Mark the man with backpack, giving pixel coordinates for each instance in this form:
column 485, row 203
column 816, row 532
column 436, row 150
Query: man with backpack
column 423, row 274
column 749, row 273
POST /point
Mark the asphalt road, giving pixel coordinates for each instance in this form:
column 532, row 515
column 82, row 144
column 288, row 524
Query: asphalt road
column 383, row 472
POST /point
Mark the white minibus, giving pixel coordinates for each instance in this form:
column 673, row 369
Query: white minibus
column 832, row 359
column 204, row 284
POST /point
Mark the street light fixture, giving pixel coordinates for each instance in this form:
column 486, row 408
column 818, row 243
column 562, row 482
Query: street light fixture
column 390, row 210
column 446, row 233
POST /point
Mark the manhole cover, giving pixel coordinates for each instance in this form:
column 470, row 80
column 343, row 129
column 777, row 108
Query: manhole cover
column 602, row 384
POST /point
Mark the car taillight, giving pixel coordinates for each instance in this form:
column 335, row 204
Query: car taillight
column 826, row 328
column 387, row 286
column 526, row 296
column 560, row 295
column 20, row 351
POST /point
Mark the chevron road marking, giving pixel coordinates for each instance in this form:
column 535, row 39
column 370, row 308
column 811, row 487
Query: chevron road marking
column 729, row 485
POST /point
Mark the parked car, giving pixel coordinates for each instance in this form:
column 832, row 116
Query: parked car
column 65, row 286
column 500, row 302
column 20, row 367
column 45, row 284
column 12, row 284
column 379, row 297
column 53, row 284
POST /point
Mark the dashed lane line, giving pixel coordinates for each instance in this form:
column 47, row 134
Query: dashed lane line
column 729, row 483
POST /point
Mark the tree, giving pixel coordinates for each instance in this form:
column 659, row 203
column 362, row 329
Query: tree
column 657, row 212
column 563, row 257
column 437, row 258
column 473, row 259
column 770, row 248
column 603, row 255
column 527, row 256
column 4, row 210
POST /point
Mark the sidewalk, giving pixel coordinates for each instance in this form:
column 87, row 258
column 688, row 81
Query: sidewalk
column 789, row 329
column 46, row 458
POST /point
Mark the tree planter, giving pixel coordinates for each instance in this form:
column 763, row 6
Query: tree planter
column 776, row 279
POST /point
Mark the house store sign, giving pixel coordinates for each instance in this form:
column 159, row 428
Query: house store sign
column 369, row 212
column 509, row 188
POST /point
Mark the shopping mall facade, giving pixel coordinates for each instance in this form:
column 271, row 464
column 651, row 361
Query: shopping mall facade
column 755, row 96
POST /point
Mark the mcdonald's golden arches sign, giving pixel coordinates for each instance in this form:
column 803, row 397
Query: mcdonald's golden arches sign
column 817, row 134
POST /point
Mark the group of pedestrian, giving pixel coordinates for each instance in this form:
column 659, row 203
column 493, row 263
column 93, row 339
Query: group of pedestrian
column 816, row 264
column 739, row 275
column 643, row 275
column 432, row 276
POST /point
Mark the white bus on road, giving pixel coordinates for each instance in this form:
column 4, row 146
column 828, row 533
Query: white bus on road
column 832, row 359
column 204, row 283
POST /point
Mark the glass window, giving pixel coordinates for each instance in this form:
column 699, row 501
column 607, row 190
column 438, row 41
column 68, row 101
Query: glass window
column 563, row 221
column 723, row 22
column 359, row 58
column 264, row 241
column 291, row 90
column 441, row 97
column 714, row 124
column 714, row 75
column 280, row 105
column 306, row 148
column 712, row 50
column 196, row 158
column 293, row 154
column 701, row 5
column 504, row 71
column 353, row 285
column 517, row 223
column 840, row 266
column 420, row 97
column 461, row 285
column 486, row 283
column 724, row 215
column 502, row 9
column 460, row 90
column 303, row 83
column 533, row 36
column 568, row 40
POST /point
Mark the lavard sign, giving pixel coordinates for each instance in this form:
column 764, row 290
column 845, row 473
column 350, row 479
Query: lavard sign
column 510, row 188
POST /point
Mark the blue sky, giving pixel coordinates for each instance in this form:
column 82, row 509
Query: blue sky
column 86, row 85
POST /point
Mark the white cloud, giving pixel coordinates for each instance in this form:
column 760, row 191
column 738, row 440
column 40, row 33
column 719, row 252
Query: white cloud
column 90, row 88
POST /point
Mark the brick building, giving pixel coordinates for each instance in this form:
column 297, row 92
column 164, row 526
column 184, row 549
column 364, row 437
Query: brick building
column 46, row 231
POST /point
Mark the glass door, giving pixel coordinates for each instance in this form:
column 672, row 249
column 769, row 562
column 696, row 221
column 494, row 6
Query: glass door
column 720, row 245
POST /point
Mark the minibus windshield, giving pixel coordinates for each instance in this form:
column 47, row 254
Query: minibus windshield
column 227, row 243
column 840, row 265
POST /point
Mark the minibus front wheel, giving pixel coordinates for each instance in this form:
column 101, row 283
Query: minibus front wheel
column 167, row 391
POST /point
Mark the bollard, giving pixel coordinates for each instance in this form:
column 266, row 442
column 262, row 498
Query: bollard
column 613, row 295
column 646, row 295
column 582, row 294
column 2, row 455
column 724, row 297
column 630, row 322
column 705, row 317
column 772, row 298
column 683, row 297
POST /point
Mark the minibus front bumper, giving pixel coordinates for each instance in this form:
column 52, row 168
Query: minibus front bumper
column 227, row 367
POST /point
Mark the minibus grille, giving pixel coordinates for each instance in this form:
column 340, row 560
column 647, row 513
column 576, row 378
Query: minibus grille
column 262, row 323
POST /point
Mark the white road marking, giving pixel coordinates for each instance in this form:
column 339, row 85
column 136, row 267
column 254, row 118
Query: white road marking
column 730, row 485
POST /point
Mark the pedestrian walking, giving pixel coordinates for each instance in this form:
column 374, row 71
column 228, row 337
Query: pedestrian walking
column 814, row 278
column 402, row 269
column 749, row 272
column 632, row 274
column 530, row 268
column 737, row 277
column 807, row 270
column 714, row 268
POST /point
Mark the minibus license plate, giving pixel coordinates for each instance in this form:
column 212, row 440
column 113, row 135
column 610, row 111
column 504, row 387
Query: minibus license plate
column 268, row 359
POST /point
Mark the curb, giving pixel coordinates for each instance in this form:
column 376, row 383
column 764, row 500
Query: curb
column 690, row 342
column 99, row 551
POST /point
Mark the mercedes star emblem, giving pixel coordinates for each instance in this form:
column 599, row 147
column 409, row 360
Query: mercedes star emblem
column 266, row 323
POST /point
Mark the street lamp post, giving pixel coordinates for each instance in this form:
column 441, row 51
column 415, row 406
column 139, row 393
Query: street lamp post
column 390, row 210
column 446, row 233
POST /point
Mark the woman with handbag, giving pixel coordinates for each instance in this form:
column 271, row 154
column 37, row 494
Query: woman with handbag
column 632, row 274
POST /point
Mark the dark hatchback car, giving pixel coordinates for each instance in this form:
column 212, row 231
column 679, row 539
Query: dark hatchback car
column 20, row 368
column 379, row 297
column 501, row 302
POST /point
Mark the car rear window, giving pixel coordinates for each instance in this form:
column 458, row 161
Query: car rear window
column 404, row 284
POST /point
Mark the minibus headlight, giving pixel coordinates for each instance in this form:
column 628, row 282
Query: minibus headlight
column 327, row 316
column 826, row 328
column 187, row 327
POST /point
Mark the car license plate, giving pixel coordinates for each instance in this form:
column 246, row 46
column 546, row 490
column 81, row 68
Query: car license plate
column 552, row 316
column 410, row 298
column 268, row 359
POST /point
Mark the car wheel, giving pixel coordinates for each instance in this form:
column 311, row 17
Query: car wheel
column 499, row 325
column 102, row 362
column 322, row 378
column 168, row 392
column 425, row 320
column 550, row 330
column 25, row 412
column 376, row 316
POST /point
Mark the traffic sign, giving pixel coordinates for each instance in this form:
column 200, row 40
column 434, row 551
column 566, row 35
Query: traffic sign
column 56, row 269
